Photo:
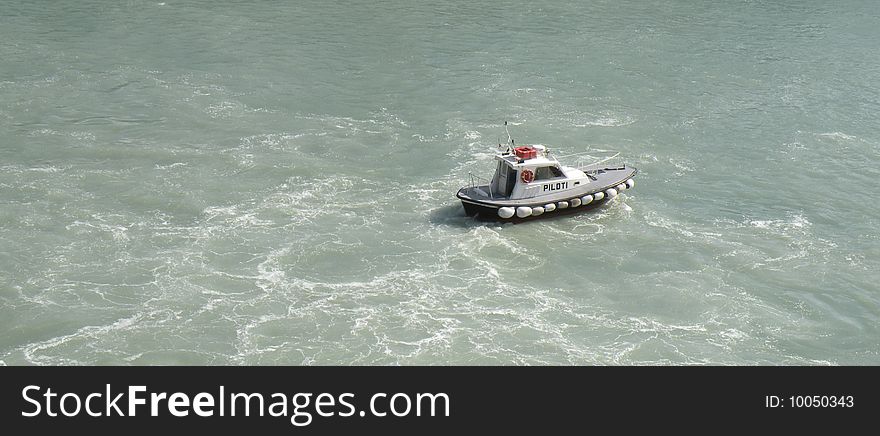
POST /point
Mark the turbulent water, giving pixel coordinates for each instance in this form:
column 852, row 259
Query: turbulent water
column 269, row 182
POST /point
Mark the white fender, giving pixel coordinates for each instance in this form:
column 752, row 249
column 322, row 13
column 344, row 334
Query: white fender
column 586, row 199
column 611, row 193
column 549, row 207
column 523, row 211
column 563, row 204
column 506, row 212
column 621, row 187
column 598, row 195
column 630, row 183
column 575, row 202
column 537, row 211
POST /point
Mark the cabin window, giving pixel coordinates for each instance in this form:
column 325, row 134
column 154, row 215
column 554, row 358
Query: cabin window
column 544, row 173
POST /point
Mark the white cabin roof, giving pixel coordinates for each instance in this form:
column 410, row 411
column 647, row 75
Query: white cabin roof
column 540, row 160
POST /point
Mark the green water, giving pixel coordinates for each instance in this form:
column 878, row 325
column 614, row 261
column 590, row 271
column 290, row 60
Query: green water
column 270, row 182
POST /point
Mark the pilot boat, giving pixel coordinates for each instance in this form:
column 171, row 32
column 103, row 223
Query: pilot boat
column 530, row 182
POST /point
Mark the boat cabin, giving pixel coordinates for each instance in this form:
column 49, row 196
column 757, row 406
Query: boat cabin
column 522, row 169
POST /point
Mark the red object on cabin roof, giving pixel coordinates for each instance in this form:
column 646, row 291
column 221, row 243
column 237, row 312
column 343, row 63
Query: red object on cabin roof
column 525, row 152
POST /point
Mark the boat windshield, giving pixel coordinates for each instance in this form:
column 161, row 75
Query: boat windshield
column 548, row 172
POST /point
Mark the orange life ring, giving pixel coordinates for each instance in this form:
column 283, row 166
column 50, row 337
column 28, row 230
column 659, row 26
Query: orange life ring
column 527, row 176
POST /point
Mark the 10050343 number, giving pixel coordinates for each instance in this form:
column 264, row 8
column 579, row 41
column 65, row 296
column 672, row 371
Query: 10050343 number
column 821, row 401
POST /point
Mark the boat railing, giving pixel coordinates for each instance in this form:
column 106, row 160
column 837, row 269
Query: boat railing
column 592, row 161
column 477, row 183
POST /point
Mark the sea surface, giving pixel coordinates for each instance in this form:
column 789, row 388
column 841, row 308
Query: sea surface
column 273, row 182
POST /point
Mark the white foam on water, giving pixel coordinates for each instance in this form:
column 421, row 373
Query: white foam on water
column 171, row 166
column 247, row 343
column 606, row 121
column 796, row 221
column 838, row 136
column 44, row 132
column 427, row 196
column 794, row 146
column 33, row 352
column 654, row 219
column 682, row 166
column 118, row 232
column 275, row 141
column 49, row 169
column 270, row 275
column 564, row 232
column 471, row 135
